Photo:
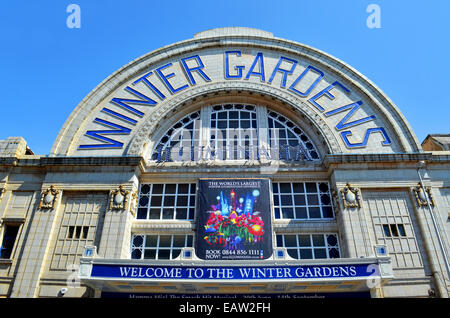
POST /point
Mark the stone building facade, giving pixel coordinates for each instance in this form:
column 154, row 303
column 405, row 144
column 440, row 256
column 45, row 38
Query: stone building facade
column 357, row 207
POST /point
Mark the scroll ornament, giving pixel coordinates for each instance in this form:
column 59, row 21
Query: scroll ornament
column 133, row 203
column 48, row 198
column 350, row 197
column 118, row 199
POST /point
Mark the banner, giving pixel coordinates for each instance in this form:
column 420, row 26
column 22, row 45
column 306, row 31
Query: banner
column 263, row 273
column 234, row 219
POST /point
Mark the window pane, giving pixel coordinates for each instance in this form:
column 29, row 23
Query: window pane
column 157, row 189
column 165, row 240
column 290, row 241
column 143, row 201
column 155, row 214
column 191, row 214
column 286, row 200
column 178, row 240
column 181, row 214
column 189, row 241
column 183, row 188
column 136, row 254
column 169, row 200
column 170, row 188
column 167, row 214
column 298, row 187
column 277, row 213
column 285, row 187
column 318, row 240
column 145, row 188
column 9, row 239
column 327, row 212
column 288, row 213
column 387, row 233
column 301, row 213
column 319, row 204
column 176, row 253
column 138, row 240
column 182, row 200
column 279, row 240
column 304, row 240
column 156, row 201
column 334, row 253
column 320, row 253
column 401, row 229
column 313, row 200
column 310, row 187
column 306, row 253
column 293, row 253
column 299, row 200
column 332, row 240
column 314, row 213
column 141, row 213
column 394, row 230
column 151, row 241
column 164, row 254
column 150, row 254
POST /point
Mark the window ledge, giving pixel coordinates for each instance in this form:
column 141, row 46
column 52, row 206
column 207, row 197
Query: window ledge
column 5, row 261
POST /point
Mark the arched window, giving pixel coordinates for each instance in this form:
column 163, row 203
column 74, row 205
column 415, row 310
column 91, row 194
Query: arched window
column 233, row 132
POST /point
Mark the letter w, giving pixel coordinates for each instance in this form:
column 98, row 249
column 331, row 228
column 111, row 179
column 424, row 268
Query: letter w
column 343, row 123
column 123, row 102
column 107, row 142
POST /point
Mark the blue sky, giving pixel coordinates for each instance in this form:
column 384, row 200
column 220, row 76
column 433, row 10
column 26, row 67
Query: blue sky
column 48, row 68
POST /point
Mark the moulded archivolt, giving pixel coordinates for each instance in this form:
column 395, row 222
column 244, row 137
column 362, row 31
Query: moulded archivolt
column 143, row 135
column 408, row 141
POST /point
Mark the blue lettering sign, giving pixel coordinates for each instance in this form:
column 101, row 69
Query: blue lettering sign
column 285, row 66
column 123, row 102
column 301, row 76
column 150, row 85
column 107, row 142
column 155, row 272
column 258, row 59
column 198, row 69
column 165, row 79
column 283, row 71
column 343, row 123
column 347, row 133
column 327, row 93
column 238, row 68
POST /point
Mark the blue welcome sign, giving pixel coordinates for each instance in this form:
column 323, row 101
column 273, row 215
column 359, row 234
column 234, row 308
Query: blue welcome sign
column 155, row 272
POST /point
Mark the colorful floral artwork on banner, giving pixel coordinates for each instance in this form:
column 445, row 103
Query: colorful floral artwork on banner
column 234, row 219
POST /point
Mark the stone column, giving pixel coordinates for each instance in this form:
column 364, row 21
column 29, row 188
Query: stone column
column 33, row 256
column 116, row 232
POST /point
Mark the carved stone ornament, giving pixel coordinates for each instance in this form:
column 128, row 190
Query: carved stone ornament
column 48, row 198
column 335, row 197
column 421, row 196
column 350, row 197
column 133, row 203
column 118, row 199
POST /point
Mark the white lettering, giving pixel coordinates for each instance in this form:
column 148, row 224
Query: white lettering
column 74, row 19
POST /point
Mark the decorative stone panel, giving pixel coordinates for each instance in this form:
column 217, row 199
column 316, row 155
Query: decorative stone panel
column 350, row 197
column 421, row 195
column 118, row 199
column 48, row 198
